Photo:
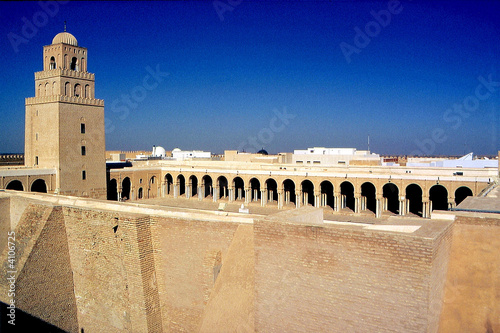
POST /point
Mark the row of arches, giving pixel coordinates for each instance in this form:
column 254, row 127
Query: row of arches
column 389, row 198
column 77, row 90
column 38, row 185
column 73, row 63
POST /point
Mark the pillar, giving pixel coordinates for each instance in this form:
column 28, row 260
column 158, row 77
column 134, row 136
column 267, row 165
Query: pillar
column 188, row 191
column 357, row 201
column 263, row 197
column 426, row 208
column 201, row 192
column 336, row 201
column 280, row 199
column 176, row 190
column 378, row 206
column 119, row 193
column 215, row 196
column 317, row 199
column 231, row 194
column 298, row 199
column 240, row 192
column 163, row 189
column 248, row 197
column 402, row 205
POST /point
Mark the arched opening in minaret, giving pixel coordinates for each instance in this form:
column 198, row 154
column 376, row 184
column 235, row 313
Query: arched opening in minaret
column 15, row 185
column 39, row 186
column 82, row 65
column 74, row 64
column 461, row 193
column 52, row 63
column 126, row 188
column 78, row 90
column 87, row 91
column 112, row 190
column 67, row 87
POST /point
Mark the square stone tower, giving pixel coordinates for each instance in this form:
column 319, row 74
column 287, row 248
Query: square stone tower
column 65, row 122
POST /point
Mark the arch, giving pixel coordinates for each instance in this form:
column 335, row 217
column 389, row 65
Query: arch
column 438, row 195
column 368, row 194
column 390, row 193
column 65, row 65
column 54, row 88
column 153, row 187
column 206, row 184
column 67, row 89
column 83, row 65
column 87, row 91
column 74, row 64
column 169, row 181
column 47, row 89
column 461, row 193
column 307, row 192
column 239, row 188
column 112, row 190
column 289, row 191
column 39, row 186
column 139, row 193
column 327, row 196
column 77, row 90
column 15, row 185
column 413, row 194
column 126, row 188
column 347, row 195
column 181, row 185
column 39, row 90
column 193, row 183
column 255, row 189
column 272, row 190
column 52, row 63
column 223, row 188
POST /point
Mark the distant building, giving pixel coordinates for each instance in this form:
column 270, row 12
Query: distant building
column 180, row 155
column 466, row 161
column 260, row 157
column 335, row 156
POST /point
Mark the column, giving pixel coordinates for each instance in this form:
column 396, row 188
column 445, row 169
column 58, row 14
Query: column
column 402, row 205
column 201, row 192
column 215, row 196
column 280, row 199
column 119, row 193
column 188, row 191
column 132, row 193
column 247, row 195
column 336, row 201
column 163, row 190
column 263, row 197
column 357, row 199
column 298, row 199
column 176, row 190
column 231, row 194
column 426, row 208
column 378, row 206
column 451, row 203
column 240, row 192
column 317, row 199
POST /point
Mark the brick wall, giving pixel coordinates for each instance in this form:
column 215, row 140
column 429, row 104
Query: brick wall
column 341, row 278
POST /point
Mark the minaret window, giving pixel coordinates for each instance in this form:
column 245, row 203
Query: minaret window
column 87, row 91
column 52, row 63
column 74, row 64
column 84, row 151
column 78, row 90
column 82, row 128
column 67, row 88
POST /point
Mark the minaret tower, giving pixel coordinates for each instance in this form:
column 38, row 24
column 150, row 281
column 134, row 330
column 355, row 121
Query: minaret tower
column 65, row 122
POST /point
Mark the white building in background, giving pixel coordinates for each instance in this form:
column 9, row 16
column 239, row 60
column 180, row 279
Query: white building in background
column 335, row 156
column 466, row 161
column 158, row 151
column 180, row 155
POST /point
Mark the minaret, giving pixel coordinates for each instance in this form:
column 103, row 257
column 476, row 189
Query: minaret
column 65, row 122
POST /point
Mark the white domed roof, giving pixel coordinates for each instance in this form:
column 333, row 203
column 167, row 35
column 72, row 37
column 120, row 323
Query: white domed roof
column 66, row 38
column 176, row 150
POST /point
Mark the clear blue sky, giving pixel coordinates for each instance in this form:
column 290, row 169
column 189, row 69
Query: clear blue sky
column 410, row 81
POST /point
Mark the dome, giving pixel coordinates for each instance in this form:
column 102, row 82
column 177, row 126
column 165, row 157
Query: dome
column 176, row 150
column 263, row 152
column 66, row 38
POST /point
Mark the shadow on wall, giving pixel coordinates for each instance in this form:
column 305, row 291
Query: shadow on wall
column 24, row 322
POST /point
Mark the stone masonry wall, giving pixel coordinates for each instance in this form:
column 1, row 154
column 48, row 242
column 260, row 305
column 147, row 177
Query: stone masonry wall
column 312, row 277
